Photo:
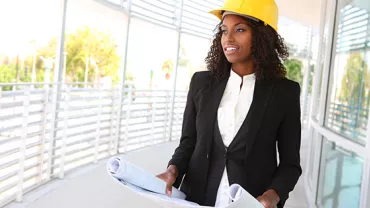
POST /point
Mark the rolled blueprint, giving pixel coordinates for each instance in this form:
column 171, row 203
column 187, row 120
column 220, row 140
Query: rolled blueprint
column 241, row 198
column 128, row 172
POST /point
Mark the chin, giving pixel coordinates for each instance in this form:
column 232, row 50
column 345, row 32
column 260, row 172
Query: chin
column 233, row 60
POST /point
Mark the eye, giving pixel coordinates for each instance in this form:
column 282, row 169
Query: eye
column 223, row 31
column 240, row 30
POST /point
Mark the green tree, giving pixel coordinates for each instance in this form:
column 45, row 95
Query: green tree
column 294, row 70
column 94, row 46
column 7, row 75
column 356, row 76
column 312, row 72
column 85, row 44
column 86, row 47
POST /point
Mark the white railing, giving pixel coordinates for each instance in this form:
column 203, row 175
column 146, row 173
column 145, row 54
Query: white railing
column 38, row 144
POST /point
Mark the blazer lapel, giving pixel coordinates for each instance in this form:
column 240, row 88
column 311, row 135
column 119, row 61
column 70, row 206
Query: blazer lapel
column 251, row 125
column 213, row 100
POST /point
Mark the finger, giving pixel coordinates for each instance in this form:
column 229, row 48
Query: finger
column 260, row 198
column 169, row 189
column 263, row 202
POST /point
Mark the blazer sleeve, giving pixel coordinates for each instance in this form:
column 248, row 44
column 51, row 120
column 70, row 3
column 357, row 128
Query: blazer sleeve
column 184, row 151
column 289, row 142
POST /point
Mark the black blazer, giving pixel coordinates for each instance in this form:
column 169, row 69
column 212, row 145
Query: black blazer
column 273, row 122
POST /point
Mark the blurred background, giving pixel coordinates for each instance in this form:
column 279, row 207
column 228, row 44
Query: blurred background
column 83, row 80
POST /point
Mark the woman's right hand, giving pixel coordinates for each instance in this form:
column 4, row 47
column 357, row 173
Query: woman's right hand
column 169, row 176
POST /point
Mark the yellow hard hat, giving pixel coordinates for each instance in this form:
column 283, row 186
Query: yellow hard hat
column 265, row 10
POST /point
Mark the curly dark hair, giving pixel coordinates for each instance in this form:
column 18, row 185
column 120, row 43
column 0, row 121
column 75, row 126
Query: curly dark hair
column 268, row 52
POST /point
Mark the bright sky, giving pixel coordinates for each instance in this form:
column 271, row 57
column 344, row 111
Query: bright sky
column 23, row 21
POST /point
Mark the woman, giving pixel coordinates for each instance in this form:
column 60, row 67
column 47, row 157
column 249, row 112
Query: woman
column 238, row 112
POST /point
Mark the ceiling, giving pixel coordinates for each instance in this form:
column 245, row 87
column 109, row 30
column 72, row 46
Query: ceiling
column 304, row 11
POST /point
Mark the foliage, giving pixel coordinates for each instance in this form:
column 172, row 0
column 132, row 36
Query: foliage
column 294, row 70
column 355, row 80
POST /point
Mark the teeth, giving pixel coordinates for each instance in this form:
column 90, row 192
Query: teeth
column 230, row 49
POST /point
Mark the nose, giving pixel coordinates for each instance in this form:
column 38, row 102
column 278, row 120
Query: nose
column 229, row 37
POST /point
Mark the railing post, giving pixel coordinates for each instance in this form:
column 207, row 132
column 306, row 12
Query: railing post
column 166, row 115
column 153, row 114
column 22, row 149
column 1, row 92
column 111, row 133
column 128, row 114
column 97, row 138
column 65, row 130
column 121, row 92
column 44, row 129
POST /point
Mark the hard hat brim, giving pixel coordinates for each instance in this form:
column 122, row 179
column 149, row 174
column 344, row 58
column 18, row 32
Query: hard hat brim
column 218, row 14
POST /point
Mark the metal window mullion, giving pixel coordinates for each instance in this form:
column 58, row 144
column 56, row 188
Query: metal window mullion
column 365, row 185
column 311, row 194
column 324, row 98
column 176, row 68
column 22, row 149
column 121, row 90
column 58, row 75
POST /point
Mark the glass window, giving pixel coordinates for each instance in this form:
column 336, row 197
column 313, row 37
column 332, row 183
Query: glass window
column 193, row 52
column 349, row 90
column 322, row 60
column 152, row 52
column 95, row 36
column 27, row 28
column 95, row 39
column 313, row 154
column 340, row 177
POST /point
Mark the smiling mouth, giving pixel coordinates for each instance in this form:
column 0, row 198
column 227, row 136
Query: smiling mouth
column 231, row 50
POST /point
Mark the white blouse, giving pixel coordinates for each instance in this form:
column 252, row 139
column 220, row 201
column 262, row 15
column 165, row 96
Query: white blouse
column 233, row 110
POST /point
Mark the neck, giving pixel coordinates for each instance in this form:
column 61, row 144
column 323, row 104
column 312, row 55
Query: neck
column 243, row 69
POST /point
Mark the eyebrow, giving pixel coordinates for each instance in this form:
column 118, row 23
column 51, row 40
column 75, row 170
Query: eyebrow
column 239, row 23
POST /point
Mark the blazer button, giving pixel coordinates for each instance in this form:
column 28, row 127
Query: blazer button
column 207, row 156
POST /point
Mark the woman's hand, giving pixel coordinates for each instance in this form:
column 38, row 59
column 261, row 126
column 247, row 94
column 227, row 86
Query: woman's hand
column 169, row 176
column 269, row 199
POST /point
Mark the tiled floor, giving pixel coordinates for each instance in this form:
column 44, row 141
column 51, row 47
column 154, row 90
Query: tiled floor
column 92, row 187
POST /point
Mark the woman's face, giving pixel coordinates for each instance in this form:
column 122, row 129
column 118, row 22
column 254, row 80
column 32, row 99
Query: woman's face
column 236, row 39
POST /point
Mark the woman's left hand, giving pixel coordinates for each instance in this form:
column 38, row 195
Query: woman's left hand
column 269, row 199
